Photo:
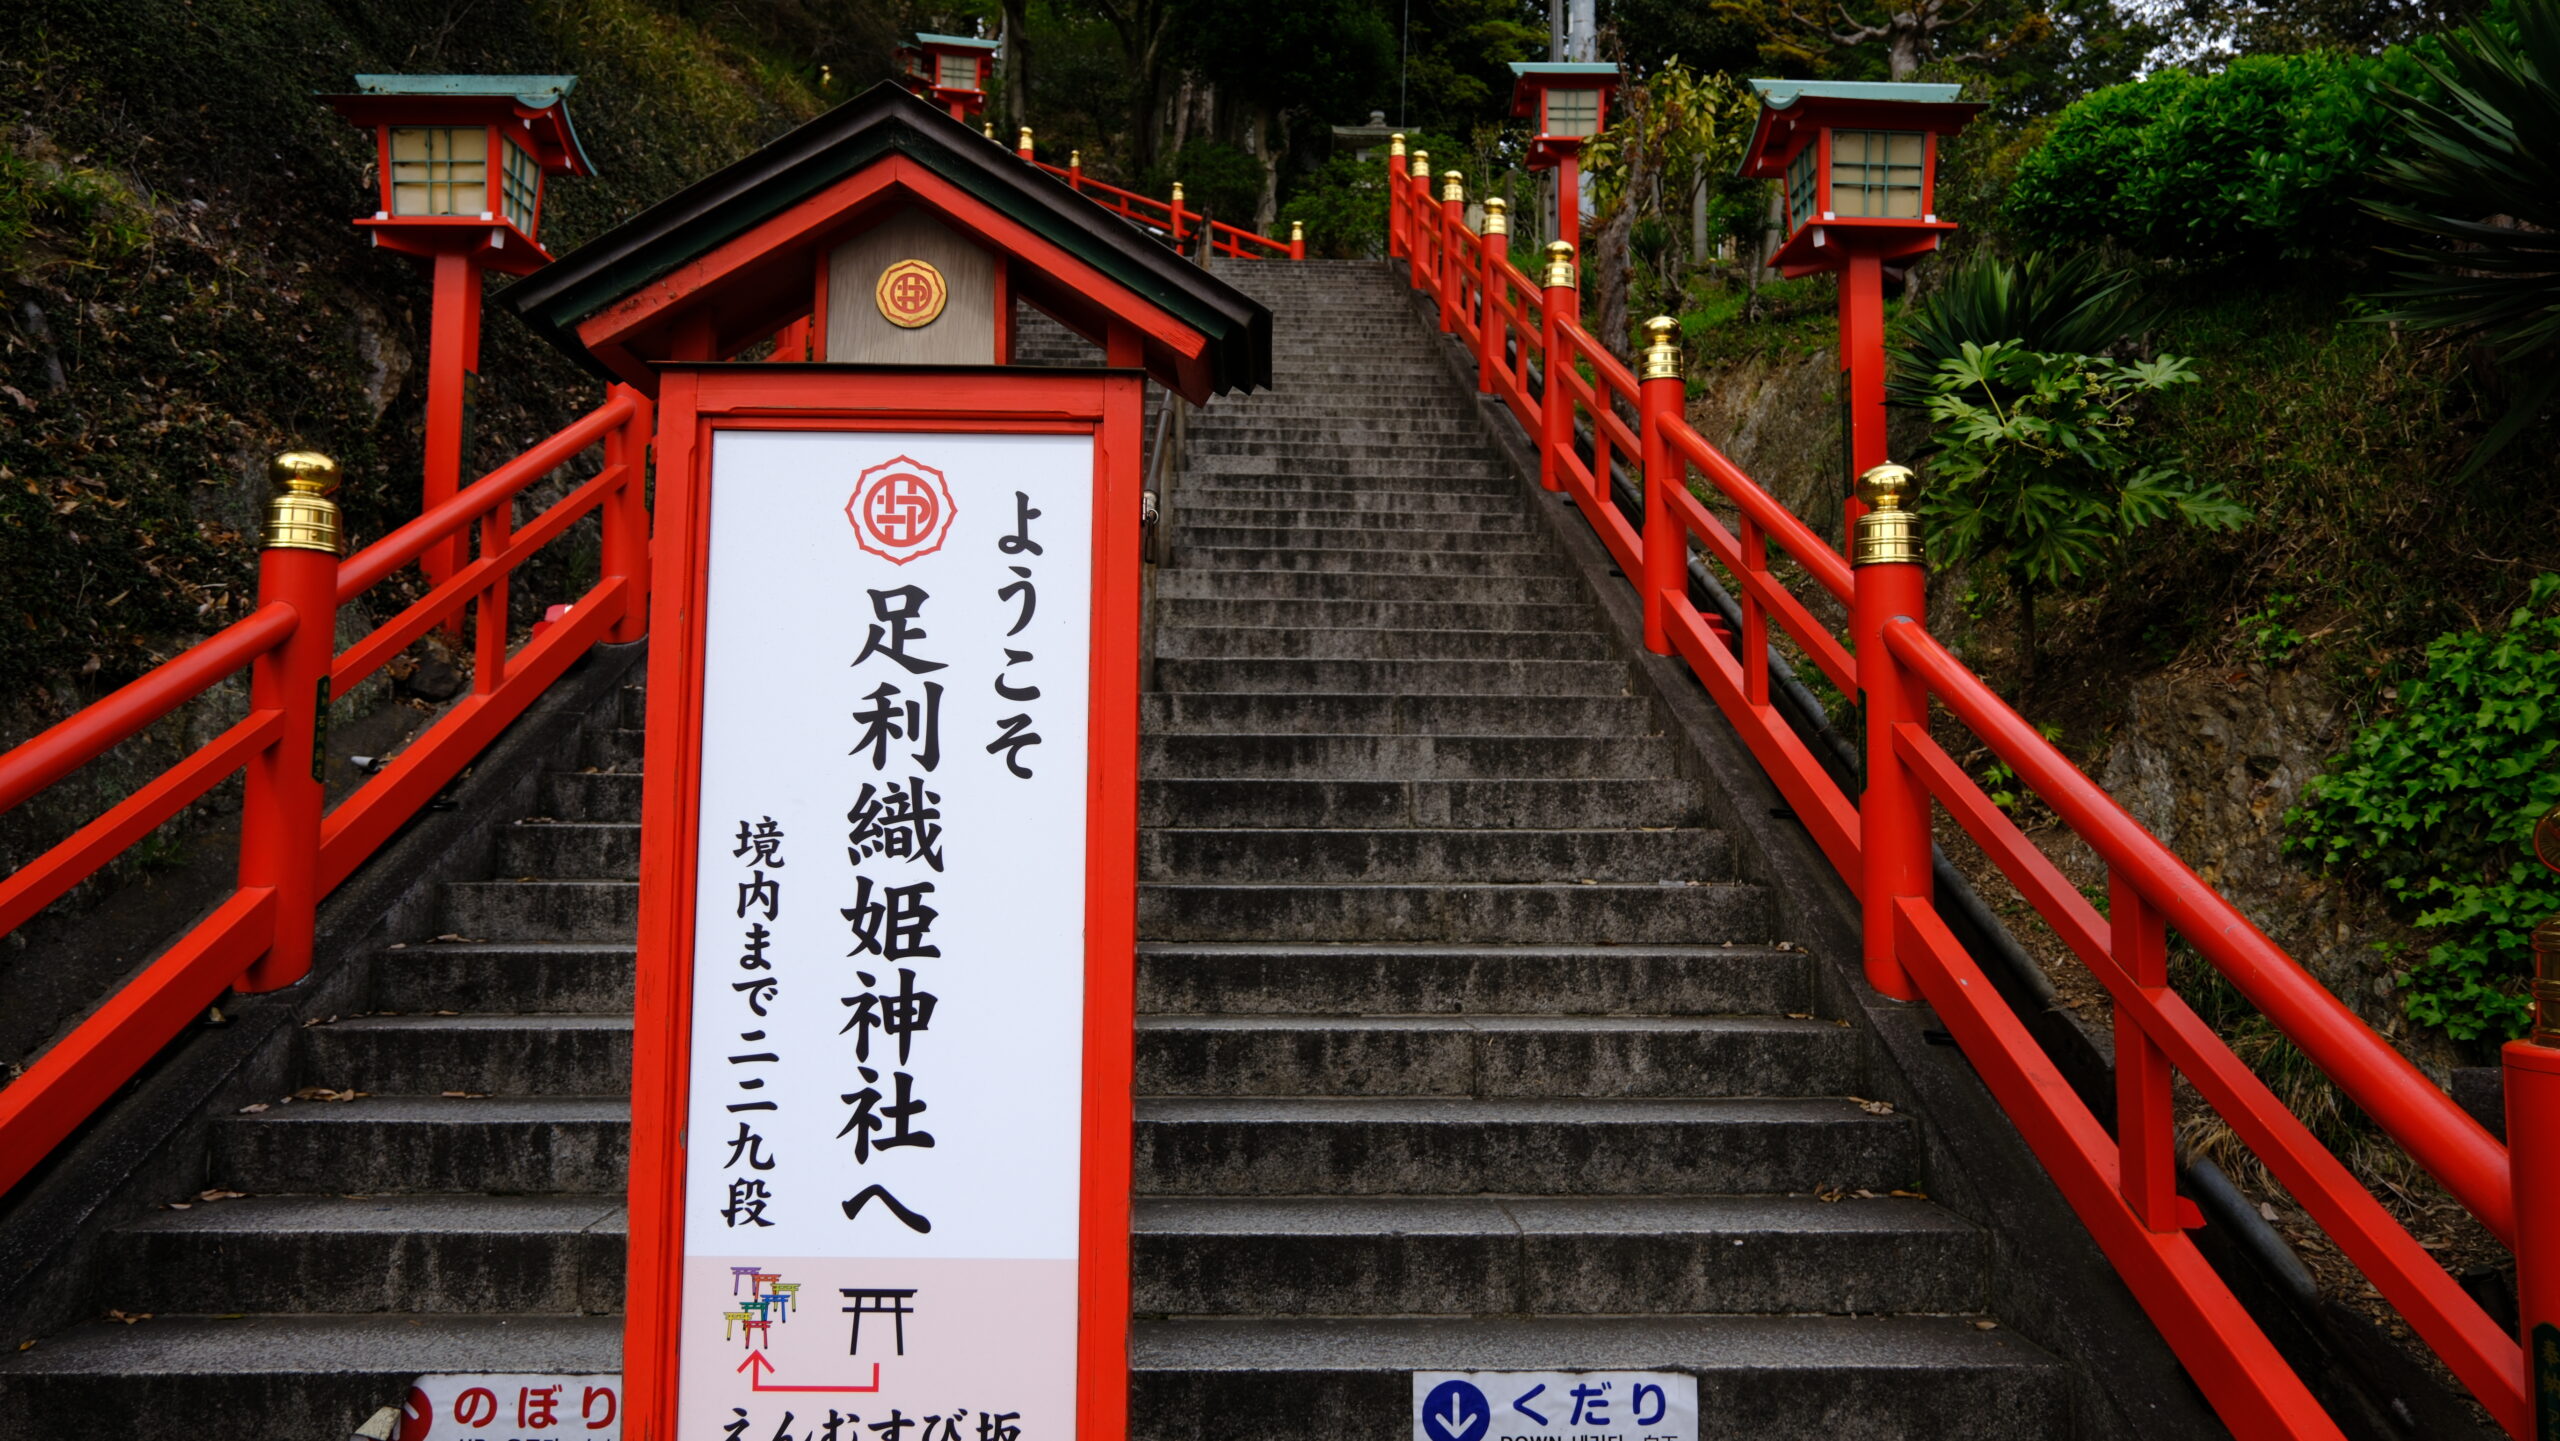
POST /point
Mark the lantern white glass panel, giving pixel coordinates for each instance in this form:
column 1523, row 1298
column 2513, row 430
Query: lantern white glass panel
column 1573, row 112
column 958, row 72
column 1877, row 172
column 439, row 170
column 1800, row 182
column 521, row 183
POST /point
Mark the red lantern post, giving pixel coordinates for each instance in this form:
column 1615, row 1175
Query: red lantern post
column 1570, row 102
column 949, row 70
column 1859, row 160
column 463, row 161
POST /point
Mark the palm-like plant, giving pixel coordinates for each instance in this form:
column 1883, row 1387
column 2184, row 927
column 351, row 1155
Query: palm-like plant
column 2047, row 303
column 2480, row 180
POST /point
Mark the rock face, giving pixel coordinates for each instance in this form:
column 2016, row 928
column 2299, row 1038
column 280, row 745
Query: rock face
column 2210, row 761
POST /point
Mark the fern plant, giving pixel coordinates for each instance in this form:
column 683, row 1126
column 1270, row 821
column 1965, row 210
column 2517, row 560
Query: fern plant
column 2041, row 472
column 2073, row 304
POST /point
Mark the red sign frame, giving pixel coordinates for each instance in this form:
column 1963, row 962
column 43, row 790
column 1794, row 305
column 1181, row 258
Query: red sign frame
column 694, row 401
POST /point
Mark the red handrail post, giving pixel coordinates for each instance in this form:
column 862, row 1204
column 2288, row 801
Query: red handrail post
column 1176, row 209
column 282, row 795
column 1559, row 304
column 1492, row 248
column 1395, row 199
column 1418, row 219
column 625, row 517
column 1075, row 170
column 1297, row 240
column 2533, row 1159
column 1661, row 395
column 1453, row 214
column 1022, row 146
column 1893, row 811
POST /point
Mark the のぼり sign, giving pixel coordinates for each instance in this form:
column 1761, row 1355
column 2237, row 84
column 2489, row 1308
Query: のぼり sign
column 512, row 1408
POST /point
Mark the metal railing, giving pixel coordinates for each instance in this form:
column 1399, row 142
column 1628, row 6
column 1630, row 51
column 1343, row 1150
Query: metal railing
column 293, row 849
column 1587, row 413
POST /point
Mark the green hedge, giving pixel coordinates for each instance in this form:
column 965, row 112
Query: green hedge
column 2260, row 160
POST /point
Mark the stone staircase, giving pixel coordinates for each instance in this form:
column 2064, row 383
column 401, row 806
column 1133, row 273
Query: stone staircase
column 1461, row 1047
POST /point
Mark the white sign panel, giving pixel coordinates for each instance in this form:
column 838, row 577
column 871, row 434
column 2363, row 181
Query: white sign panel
column 513, row 1408
column 882, row 1184
column 1554, row 1406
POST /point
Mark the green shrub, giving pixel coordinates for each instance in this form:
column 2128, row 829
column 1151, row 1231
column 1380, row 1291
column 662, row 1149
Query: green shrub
column 1344, row 205
column 2436, row 803
column 2042, row 471
column 2074, row 305
column 2263, row 159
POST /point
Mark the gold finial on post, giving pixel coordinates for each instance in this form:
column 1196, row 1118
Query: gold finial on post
column 1453, row 186
column 1662, row 349
column 1075, row 160
column 1297, row 232
column 1496, row 220
column 1024, row 144
column 1421, row 166
column 1560, row 265
column 301, row 516
column 988, row 130
column 1177, row 195
column 1889, row 533
column 1395, row 143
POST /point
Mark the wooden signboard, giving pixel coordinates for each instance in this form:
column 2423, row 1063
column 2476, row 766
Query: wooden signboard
column 882, row 1081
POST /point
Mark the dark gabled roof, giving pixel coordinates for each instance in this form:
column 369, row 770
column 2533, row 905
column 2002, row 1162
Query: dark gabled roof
column 881, row 121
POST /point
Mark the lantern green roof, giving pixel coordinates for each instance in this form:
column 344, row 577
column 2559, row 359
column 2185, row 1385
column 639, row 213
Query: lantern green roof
column 1526, row 68
column 538, row 92
column 1782, row 93
column 970, row 41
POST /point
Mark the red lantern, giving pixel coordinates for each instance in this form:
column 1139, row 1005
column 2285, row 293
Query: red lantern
column 949, row 70
column 1860, row 165
column 1570, row 102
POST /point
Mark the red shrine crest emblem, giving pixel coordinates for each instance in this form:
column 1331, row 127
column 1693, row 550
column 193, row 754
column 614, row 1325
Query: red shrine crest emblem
column 901, row 509
column 910, row 294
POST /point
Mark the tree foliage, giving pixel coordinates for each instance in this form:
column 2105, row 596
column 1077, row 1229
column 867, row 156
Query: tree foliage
column 2073, row 304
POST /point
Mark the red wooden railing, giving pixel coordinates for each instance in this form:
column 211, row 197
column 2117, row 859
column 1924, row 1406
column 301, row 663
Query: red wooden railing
column 1585, row 413
column 1172, row 219
column 291, row 853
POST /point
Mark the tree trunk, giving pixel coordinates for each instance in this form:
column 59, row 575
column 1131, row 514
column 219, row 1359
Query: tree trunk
column 1017, row 66
column 1908, row 45
column 1267, row 127
column 1609, row 251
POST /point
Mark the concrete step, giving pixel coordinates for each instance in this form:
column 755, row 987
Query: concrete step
column 1338, row 498
column 1280, row 427
column 1408, row 615
column 1520, row 914
column 1397, row 677
column 1375, row 643
column 1544, row 1256
column 1171, row 854
column 1437, row 541
column 1373, row 585
column 1188, row 551
column 1387, row 452
column 1175, row 713
column 1232, row 979
column 1544, row 1147
column 511, row 1145
column 571, row 796
column 1519, row 1056
column 490, row 1055
column 1444, row 473
column 1361, row 757
column 274, row 1378
column 1775, row 1378
column 571, row 850
column 542, row 910
column 1221, row 515
column 1530, row 804
column 420, row 1255
column 533, row 977
column 612, row 749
